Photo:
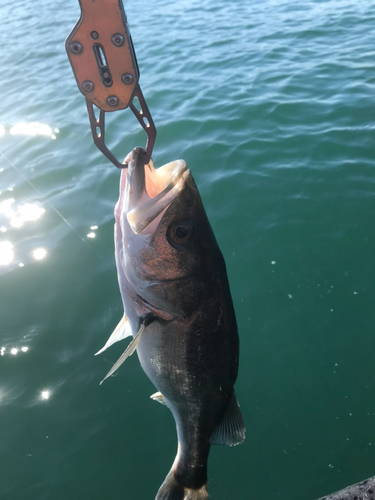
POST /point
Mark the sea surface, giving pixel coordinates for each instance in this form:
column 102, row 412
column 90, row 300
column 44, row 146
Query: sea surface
column 272, row 105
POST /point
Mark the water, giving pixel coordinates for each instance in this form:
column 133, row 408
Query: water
column 272, row 106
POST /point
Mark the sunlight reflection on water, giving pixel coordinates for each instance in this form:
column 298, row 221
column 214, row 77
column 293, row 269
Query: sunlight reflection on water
column 13, row 350
column 45, row 395
column 31, row 129
column 39, row 253
column 24, row 213
column 14, row 217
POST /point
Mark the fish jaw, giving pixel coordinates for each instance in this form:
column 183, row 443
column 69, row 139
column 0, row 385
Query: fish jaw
column 147, row 191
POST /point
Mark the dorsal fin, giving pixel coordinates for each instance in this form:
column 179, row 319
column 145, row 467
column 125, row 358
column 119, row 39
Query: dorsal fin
column 231, row 430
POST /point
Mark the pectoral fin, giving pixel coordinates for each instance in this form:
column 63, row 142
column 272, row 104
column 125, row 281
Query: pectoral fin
column 128, row 352
column 231, row 429
column 122, row 330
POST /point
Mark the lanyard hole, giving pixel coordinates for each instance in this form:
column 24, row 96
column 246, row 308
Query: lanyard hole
column 103, row 67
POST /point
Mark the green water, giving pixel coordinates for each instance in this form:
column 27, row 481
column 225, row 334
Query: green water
column 272, row 105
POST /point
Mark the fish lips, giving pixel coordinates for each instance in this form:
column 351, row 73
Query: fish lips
column 150, row 191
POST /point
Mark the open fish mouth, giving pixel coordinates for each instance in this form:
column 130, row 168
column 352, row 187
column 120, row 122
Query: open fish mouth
column 150, row 191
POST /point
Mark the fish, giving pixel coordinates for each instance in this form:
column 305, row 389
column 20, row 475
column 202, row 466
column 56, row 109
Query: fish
column 179, row 311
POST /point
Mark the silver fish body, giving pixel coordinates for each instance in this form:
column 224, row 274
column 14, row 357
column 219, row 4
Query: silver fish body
column 173, row 281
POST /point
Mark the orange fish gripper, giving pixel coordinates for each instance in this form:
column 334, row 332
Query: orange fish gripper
column 101, row 53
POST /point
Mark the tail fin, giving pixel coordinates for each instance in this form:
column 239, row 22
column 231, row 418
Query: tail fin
column 172, row 490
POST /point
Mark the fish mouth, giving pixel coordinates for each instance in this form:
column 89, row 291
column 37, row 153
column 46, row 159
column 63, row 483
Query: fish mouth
column 150, row 191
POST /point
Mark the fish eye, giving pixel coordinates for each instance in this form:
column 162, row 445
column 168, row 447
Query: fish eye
column 181, row 233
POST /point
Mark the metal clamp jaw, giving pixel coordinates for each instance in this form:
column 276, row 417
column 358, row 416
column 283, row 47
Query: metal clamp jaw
column 143, row 116
column 101, row 53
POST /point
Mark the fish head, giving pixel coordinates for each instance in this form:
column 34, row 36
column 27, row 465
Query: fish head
column 165, row 246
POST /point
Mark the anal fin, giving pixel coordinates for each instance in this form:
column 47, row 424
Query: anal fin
column 231, row 430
